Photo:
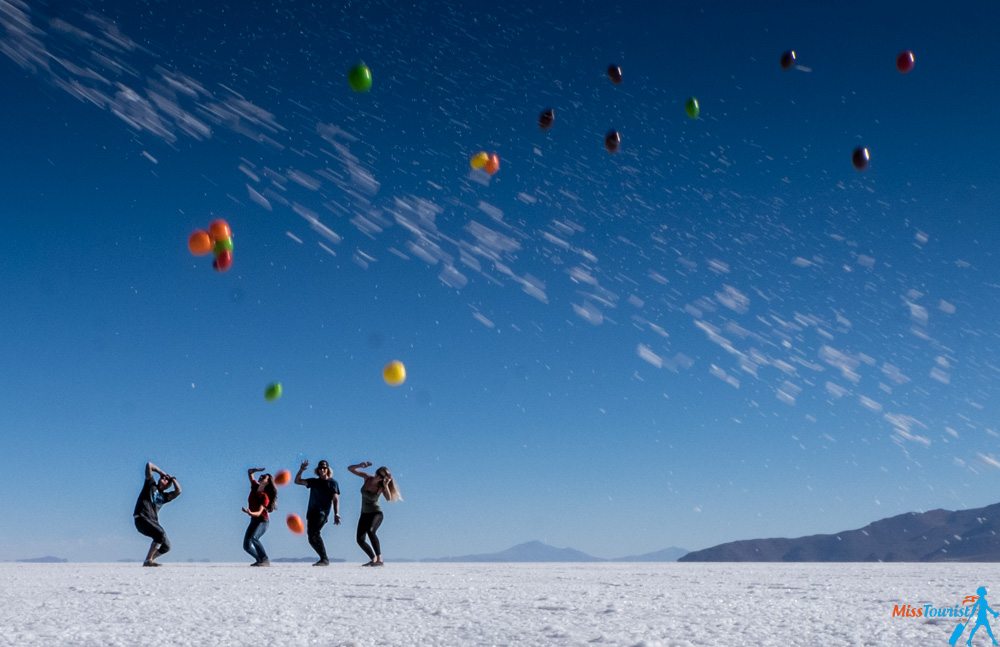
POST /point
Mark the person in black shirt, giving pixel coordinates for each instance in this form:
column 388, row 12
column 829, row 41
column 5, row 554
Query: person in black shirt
column 146, row 514
column 323, row 491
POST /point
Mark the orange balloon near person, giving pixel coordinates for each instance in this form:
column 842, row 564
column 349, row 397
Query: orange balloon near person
column 282, row 477
column 200, row 243
column 219, row 229
column 295, row 524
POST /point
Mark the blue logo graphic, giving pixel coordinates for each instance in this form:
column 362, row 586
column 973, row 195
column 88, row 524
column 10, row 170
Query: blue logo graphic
column 980, row 607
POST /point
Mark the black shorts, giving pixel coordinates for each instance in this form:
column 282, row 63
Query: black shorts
column 153, row 530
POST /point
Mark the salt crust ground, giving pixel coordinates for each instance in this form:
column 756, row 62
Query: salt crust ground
column 480, row 604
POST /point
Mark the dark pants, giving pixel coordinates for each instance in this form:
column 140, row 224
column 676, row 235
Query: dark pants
column 368, row 524
column 152, row 529
column 314, row 523
column 251, row 540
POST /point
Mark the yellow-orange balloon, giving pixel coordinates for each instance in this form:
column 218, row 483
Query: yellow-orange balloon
column 394, row 373
column 294, row 523
column 492, row 164
column 282, row 477
column 200, row 243
column 219, row 229
column 479, row 160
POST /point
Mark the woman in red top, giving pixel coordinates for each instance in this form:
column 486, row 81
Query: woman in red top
column 263, row 499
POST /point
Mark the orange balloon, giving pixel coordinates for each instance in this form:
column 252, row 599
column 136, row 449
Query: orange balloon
column 295, row 524
column 200, row 243
column 282, row 477
column 219, row 229
column 492, row 164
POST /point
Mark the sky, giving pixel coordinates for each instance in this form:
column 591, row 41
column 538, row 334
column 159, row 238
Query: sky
column 723, row 331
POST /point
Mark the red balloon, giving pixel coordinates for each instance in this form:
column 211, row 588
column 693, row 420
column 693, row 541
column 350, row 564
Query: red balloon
column 492, row 164
column 905, row 62
column 223, row 261
column 612, row 141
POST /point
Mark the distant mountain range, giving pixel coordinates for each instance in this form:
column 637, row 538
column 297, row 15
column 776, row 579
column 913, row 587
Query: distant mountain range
column 536, row 551
column 935, row 536
column 48, row 559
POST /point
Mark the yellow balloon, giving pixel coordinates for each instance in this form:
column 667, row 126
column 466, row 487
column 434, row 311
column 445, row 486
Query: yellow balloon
column 394, row 373
column 479, row 160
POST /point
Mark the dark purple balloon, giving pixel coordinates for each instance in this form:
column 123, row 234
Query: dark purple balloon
column 615, row 74
column 546, row 119
column 860, row 158
column 612, row 141
column 788, row 59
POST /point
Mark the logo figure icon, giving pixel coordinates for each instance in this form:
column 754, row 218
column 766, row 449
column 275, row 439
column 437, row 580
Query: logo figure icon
column 980, row 607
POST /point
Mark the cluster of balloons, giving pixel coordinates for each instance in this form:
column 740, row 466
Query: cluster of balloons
column 218, row 240
column 359, row 78
column 860, row 157
column 483, row 161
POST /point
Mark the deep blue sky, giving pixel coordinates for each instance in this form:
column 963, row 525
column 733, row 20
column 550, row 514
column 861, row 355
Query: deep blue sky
column 736, row 334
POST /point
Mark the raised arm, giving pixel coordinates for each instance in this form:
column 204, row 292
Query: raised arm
column 298, row 475
column 356, row 469
column 176, row 492
column 150, row 468
column 251, row 472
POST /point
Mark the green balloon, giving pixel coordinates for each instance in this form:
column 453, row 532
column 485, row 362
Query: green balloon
column 692, row 108
column 360, row 78
column 272, row 392
column 224, row 245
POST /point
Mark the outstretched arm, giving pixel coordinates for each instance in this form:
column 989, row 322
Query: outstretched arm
column 356, row 469
column 251, row 472
column 298, row 475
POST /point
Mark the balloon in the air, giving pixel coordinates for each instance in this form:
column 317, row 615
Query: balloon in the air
column 360, row 78
column 612, row 141
column 200, row 243
column 546, row 119
column 861, row 158
column 478, row 161
column 273, row 391
column 788, row 59
column 394, row 373
column 905, row 62
column 692, row 108
column 492, row 164
column 615, row 74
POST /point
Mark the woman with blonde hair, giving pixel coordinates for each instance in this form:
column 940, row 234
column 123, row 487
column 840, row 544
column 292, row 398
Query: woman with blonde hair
column 383, row 484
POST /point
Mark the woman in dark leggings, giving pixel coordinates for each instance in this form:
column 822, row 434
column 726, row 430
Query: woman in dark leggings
column 371, row 514
column 263, row 499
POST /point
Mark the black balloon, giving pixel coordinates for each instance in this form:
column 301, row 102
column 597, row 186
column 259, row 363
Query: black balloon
column 546, row 119
column 612, row 141
column 860, row 158
column 615, row 74
column 788, row 59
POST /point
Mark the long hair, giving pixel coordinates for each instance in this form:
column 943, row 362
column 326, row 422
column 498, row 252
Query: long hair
column 390, row 490
column 272, row 494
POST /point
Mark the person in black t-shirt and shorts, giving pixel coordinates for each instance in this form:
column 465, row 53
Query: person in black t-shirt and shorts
column 323, row 491
column 146, row 514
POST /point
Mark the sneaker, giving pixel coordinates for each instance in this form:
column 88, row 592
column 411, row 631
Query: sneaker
column 322, row 562
column 263, row 563
column 379, row 564
column 372, row 563
column 149, row 563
